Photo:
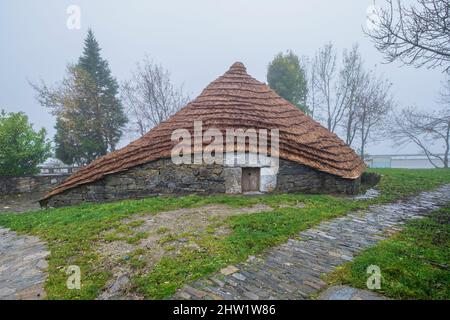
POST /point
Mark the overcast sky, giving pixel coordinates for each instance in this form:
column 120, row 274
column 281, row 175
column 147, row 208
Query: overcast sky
column 197, row 40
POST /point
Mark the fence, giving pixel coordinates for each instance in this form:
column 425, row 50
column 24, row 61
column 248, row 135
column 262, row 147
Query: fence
column 404, row 161
column 56, row 170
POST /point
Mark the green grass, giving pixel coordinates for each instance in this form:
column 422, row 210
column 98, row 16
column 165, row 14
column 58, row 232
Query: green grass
column 397, row 183
column 71, row 232
column 250, row 235
column 414, row 264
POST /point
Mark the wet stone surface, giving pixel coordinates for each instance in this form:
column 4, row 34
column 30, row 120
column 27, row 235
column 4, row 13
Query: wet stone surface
column 294, row 269
column 349, row 293
column 369, row 194
column 22, row 266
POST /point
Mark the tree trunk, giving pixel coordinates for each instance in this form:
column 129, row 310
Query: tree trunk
column 447, row 146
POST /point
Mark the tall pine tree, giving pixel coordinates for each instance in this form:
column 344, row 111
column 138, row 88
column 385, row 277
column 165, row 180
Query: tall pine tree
column 108, row 110
column 90, row 117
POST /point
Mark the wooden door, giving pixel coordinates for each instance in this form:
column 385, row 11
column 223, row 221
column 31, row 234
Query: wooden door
column 250, row 179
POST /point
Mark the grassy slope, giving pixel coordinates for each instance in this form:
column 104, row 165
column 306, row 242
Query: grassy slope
column 414, row 263
column 70, row 232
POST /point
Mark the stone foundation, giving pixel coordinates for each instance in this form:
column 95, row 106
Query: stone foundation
column 296, row 178
column 370, row 179
column 164, row 177
column 151, row 179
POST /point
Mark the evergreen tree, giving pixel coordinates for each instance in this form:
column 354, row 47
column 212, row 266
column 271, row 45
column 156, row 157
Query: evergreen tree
column 287, row 77
column 108, row 109
column 78, row 136
column 90, row 117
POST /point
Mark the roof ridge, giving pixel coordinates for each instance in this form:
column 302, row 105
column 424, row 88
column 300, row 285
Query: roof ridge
column 237, row 67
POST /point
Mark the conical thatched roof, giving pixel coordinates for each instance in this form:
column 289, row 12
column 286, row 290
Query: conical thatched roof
column 234, row 100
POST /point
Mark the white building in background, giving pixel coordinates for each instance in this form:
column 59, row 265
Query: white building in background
column 53, row 166
column 404, row 161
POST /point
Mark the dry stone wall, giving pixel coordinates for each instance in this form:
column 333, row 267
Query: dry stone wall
column 29, row 184
column 295, row 178
column 164, row 177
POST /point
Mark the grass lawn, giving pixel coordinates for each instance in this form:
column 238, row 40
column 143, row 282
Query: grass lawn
column 414, row 263
column 72, row 233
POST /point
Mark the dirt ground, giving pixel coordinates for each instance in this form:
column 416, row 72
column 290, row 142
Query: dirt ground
column 20, row 202
column 163, row 234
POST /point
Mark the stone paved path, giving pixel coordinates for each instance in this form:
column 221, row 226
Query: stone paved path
column 293, row 270
column 349, row 293
column 22, row 266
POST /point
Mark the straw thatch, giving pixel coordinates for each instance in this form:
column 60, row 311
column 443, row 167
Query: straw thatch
column 234, row 100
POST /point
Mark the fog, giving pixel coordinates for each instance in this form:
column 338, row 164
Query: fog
column 196, row 40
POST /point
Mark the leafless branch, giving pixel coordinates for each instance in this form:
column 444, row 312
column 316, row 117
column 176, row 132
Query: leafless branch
column 150, row 97
column 427, row 130
column 374, row 104
column 417, row 35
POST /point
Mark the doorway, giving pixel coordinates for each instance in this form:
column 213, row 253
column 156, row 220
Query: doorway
column 250, row 179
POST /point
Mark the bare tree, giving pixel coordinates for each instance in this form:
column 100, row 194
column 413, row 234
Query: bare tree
column 374, row 104
column 444, row 94
column 312, row 95
column 416, row 35
column 330, row 95
column 150, row 97
column 334, row 90
column 352, row 101
column 352, row 78
column 427, row 130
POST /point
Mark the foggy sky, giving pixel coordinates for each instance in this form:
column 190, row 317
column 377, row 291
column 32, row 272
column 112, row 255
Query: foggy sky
column 196, row 40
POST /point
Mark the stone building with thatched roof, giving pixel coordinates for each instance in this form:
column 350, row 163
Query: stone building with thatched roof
column 311, row 159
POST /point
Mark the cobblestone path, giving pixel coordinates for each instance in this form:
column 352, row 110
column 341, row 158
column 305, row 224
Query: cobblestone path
column 293, row 270
column 22, row 266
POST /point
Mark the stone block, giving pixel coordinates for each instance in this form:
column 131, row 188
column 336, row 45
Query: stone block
column 232, row 178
